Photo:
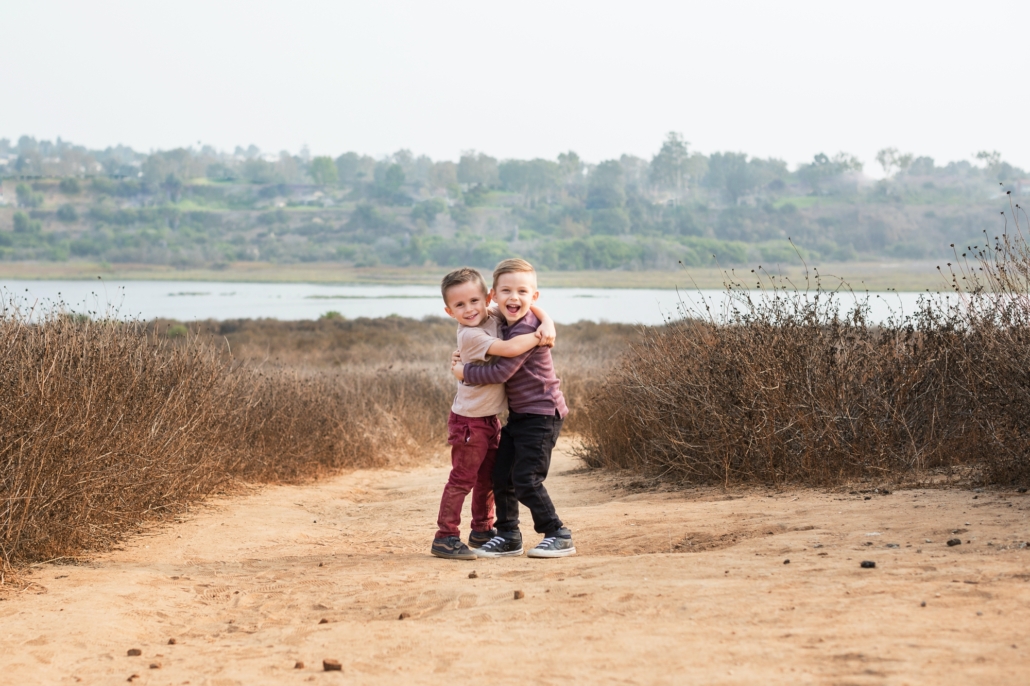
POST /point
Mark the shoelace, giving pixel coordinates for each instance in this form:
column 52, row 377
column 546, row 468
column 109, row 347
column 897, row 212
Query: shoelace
column 547, row 542
column 494, row 542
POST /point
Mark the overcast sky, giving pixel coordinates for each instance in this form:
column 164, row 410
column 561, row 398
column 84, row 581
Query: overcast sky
column 522, row 79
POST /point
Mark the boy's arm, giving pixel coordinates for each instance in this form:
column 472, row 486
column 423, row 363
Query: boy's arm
column 515, row 346
column 501, row 370
column 498, row 372
column 546, row 331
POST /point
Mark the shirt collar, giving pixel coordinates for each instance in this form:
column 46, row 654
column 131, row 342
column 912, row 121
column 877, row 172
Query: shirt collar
column 530, row 319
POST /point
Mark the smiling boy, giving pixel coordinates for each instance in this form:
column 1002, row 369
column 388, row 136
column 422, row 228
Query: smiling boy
column 473, row 429
column 536, row 411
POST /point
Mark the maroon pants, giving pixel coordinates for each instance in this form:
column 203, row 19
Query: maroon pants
column 473, row 442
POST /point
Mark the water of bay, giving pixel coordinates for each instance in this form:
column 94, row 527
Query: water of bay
column 195, row 300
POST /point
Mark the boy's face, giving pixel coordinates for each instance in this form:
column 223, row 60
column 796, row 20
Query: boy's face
column 514, row 293
column 467, row 302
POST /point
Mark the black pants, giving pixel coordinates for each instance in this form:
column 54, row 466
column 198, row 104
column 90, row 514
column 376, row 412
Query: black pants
column 523, row 459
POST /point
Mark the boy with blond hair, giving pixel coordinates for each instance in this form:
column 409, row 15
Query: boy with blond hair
column 473, row 429
column 536, row 411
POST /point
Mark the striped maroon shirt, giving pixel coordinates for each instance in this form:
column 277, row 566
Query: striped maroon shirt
column 529, row 379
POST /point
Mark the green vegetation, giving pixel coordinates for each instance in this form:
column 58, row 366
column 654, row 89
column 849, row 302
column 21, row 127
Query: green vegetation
column 194, row 208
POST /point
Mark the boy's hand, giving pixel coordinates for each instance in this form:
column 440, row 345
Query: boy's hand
column 455, row 358
column 459, row 371
column 546, row 333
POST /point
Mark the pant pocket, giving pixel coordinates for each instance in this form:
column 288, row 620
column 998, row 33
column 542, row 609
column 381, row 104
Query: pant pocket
column 458, row 433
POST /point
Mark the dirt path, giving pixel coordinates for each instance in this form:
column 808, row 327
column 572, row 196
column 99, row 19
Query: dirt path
column 243, row 584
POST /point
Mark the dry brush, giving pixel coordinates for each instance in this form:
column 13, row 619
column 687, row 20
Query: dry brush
column 789, row 386
column 105, row 424
column 102, row 426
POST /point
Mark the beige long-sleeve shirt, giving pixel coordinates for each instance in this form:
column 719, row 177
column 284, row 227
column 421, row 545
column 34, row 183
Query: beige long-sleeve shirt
column 488, row 399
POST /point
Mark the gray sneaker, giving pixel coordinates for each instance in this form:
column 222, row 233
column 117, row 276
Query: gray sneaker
column 557, row 544
column 504, row 544
column 452, row 548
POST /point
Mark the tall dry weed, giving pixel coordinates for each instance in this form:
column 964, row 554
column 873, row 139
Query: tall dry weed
column 102, row 426
column 789, row 386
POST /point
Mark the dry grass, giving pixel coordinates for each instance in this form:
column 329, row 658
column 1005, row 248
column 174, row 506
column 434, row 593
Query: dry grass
column 880, row 275
column 102, row 427
column 393, row 346
column 787, row 387
column 104, row 424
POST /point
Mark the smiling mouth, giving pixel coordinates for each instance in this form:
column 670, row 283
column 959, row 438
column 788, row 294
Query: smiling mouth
column 514, row 308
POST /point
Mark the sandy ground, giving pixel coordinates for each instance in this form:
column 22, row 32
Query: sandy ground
column 668, row 588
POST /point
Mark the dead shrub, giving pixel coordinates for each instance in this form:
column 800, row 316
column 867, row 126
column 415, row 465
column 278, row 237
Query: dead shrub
column 787, row 386
column 101, row 427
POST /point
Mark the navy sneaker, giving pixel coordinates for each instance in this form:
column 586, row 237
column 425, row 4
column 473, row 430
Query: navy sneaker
column 478, row 538
column 557, row 544
column 452, row 548
column 504, row 544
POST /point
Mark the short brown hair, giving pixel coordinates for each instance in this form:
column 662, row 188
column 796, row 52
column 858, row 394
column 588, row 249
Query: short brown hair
column 458, row 277
column 511, row 266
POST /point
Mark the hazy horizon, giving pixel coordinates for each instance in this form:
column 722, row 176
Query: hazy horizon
column 788, row 81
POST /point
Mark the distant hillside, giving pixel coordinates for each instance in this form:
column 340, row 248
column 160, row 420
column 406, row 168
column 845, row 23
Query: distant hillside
column 200, row 207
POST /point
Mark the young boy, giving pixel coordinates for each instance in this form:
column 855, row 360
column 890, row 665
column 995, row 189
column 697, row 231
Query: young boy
column 473, row 428
column 536, row 412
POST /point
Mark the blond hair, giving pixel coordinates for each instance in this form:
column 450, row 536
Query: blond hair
column 512, row 266
column 458, row 277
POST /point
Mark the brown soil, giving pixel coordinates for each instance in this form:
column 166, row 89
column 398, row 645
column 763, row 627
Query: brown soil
column 667, row 588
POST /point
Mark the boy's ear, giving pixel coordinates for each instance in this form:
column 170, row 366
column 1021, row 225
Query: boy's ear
column 536, row 294
column 449, row 313
column 489, row 297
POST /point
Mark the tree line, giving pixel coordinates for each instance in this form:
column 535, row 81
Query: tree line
column 632, row 212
